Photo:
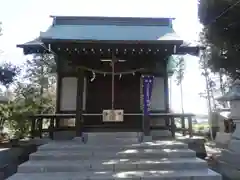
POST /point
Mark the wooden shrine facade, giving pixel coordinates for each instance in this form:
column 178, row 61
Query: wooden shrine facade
column 85, row 49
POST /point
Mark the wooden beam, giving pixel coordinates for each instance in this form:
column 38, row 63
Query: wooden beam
column 106, row 49
column 79, row 104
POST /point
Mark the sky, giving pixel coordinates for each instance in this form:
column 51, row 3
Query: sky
column 23, row 20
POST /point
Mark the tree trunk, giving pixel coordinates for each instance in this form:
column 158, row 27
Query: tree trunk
column 181, row 91
column 222, row 89
column 41, row 87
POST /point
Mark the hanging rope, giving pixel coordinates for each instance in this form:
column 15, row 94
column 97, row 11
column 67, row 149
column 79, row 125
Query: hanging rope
column 109, row 73
column 93, row 77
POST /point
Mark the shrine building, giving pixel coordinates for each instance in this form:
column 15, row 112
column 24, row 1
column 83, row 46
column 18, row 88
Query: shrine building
column 112, row 72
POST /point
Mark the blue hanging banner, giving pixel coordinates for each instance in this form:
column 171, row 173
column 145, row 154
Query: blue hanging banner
column 147, row 93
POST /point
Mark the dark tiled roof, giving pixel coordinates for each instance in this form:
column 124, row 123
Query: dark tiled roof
column 111, row 29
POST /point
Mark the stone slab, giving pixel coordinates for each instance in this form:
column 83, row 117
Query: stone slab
column 108, row 175
column 131, row 153
column 113, row 165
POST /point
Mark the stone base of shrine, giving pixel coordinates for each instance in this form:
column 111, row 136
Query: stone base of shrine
column 229, row 161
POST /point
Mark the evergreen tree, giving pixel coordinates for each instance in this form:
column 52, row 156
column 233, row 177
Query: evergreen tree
column 41, row 70
column 36, row 94
column 221, row 34
column 179, row 72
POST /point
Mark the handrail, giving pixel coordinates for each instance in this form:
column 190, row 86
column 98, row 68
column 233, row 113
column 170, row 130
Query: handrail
column 37, row 121
column 100, row 114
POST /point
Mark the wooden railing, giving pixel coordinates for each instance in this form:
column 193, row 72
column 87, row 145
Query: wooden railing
column 37, row 123
column 171, row 117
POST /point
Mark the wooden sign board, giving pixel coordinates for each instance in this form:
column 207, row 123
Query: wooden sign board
column 115, row 115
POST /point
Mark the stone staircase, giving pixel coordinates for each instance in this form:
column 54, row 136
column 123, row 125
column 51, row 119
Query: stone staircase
column 112, row 156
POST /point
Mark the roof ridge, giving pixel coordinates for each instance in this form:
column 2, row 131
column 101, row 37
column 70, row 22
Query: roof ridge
column 111, row 17
column 104, row 20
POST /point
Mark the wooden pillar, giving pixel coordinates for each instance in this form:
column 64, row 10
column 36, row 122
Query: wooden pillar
column 146, row 125
column 79, row 104
column 190, row 129
column 173, row 127
column 40, row 124
column 183, row 125
column 166, row 94
column 33, row 127
column 51, row 128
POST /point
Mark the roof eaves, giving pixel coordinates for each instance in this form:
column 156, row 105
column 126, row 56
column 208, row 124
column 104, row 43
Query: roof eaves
column 33, row 43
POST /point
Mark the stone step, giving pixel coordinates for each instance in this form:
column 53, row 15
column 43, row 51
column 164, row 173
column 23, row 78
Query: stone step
column 74, row 146
column 112, row 165
column 161, row 133
column 109, row 175
column 106, row 141
column 130, row 153
column 113, row 134
column 93, row 137
column 113, row 137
